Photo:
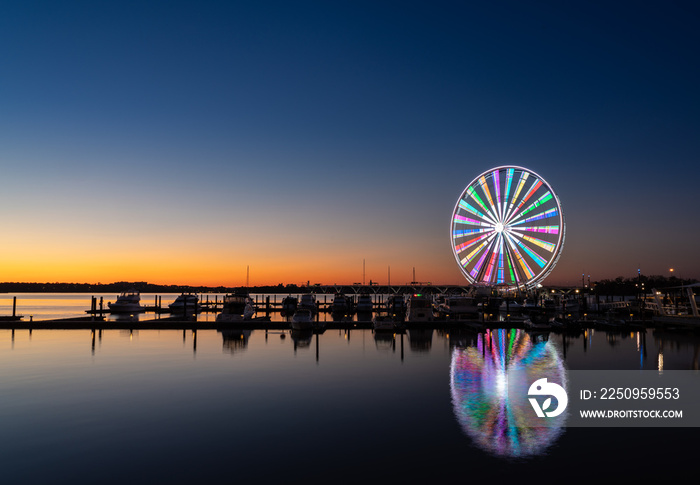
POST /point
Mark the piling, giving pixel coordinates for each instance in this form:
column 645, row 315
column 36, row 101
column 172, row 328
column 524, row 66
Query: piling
column 14, row 306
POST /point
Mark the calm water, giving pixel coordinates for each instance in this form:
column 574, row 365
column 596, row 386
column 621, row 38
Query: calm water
column 340, row 407
column 46, row 306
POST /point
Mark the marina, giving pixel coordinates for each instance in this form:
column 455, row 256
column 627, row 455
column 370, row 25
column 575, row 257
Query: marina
column 558, row 312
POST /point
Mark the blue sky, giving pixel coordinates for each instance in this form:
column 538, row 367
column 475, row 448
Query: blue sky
column 306, row 136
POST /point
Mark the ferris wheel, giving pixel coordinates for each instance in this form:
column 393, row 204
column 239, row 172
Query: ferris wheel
column 507, row 228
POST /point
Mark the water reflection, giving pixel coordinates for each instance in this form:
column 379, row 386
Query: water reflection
column 420, row 339
column 489, row 385
column 235, row 339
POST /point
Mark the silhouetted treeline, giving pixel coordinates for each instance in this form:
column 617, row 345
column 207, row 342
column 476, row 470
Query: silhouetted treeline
column 631, row 286
column 142, row 286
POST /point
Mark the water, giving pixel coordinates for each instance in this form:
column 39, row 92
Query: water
column 340, row 407
column 47, row 306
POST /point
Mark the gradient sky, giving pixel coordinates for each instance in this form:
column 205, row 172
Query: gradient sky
column 179, row 142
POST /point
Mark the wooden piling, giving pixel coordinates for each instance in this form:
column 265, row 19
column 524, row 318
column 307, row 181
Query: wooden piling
column 14, row 306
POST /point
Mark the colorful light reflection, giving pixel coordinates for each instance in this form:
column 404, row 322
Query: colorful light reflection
column 489, row 385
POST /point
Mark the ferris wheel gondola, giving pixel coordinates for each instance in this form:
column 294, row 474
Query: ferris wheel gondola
column 507, row 228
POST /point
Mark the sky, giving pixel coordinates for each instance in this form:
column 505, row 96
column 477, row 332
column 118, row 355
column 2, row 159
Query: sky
column 182, row 142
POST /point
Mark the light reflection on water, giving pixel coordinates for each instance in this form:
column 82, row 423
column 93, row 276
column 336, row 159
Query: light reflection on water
column 77, row 399
column 489, row 384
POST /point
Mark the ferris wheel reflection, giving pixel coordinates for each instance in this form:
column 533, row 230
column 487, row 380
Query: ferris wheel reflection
column 489, row 384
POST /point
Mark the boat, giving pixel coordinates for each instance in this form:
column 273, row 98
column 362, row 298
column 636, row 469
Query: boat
column 186, row 302
column 307, row 302
column 340, row 305
column 289, row 305
column 127, row 302
column 419, row 309
column 569, row 304
column 237, row 307
column 364, row 304
column 396, row 305
column 302, row 319
column 508, row 306
column 458, row 308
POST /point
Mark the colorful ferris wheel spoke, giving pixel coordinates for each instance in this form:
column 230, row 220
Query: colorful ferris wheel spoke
column 467, row 244
column 536, row 184
column 532, row 254
column 472, row 193
column 544, row 198
column 473, row 222
column 497, row 190
column 544, row 229
column 469, row 257
column 529, row 274
column 492, row 260
column 537, row 242
column 542, row 215
column 487, row 192
column 469, row 208
column 483, row 252
column 509, row 181
column 521, row 184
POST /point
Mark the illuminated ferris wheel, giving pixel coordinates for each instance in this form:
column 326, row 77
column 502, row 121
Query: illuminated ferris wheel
column 507, row 228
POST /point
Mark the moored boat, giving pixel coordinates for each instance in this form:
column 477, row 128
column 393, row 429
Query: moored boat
column 237, row 307
column 127, row 302
column 419, row 309
column 307, row 302
column 458, row 308
column 302, row 319
column 186, row 302
column 289, row 304
column 340, row 305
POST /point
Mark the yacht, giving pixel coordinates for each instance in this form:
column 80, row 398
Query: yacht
column 340, row 305
column 419, row 309
column 289, row 305
column 307, row 302
column 127, row 302
column 186, row 302
column 458, row 307
column 396, row 305
column 237, row 307
column 302, row 319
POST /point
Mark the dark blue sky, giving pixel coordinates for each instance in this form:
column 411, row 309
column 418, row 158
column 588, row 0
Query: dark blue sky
column 344, row 130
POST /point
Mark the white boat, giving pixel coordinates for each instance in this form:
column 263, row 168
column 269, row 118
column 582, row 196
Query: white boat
column 364, row 304
column 127, row 302
column 419, row 309
column 184, row 302
column 307, row 302
column 302, row 319
column 237, row 307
